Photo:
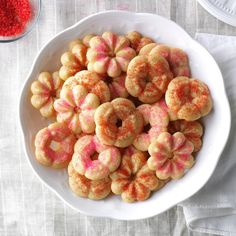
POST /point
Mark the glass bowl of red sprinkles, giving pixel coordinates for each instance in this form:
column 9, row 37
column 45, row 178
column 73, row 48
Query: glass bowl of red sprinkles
column 17, row 18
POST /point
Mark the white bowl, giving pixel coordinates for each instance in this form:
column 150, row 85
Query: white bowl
column 217, row 123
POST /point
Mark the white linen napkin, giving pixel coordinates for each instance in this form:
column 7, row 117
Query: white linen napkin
column 213, row 208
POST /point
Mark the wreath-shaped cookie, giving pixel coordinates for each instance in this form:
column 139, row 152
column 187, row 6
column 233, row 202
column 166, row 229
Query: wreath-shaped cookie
column 188, row 98
column 54, row 145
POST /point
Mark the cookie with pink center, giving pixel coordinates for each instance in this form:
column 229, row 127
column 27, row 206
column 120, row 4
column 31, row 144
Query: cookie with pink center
column 76, row 107
column 134, row 181
column 93, row 159
column 170, row 155
column 188, row 98
column 148, row 77
column 45, row 90
column 118, row 122
column 109, row 54
column 176, row 57
column 84, row 187
column 192, row 130
column 137, row 40
column 117, row 87
column 156, row 120
column 54, row 145
column 92, row 82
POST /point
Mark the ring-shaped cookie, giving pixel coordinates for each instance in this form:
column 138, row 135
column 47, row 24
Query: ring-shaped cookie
column 156, row 119
column 94, row 160
column 118, row 122
column 188, row 98
column 54, row 145
column 148, row 77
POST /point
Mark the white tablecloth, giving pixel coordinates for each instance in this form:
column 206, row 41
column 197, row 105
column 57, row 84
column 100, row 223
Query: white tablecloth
column 213, row 208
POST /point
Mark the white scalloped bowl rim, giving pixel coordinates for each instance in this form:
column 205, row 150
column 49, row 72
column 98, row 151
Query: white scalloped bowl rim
column 217, row 123
column 222, row 10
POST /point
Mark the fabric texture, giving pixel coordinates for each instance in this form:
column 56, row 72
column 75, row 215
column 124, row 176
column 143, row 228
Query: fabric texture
column 213, row 208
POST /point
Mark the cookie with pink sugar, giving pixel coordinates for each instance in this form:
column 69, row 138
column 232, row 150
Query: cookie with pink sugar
column 109, row 54
column 148, row 77
column 134, row 181
column 76, row 107
column 54, row 145
column 192, row 130
column 118, row 122
column 45, row 90
column 84, row 187
column 93, row 159
column 176, row 57
column 156, row 120
column 188, row 98
column 92, row 82
column 170, row 155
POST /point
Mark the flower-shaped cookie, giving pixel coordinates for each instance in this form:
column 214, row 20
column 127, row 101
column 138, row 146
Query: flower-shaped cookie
column 117, row 87
column 156, row 120
column 134, row 180
column 93, row 159
column 176, row 57
column 118, row 122
column 170, row 155
column 189, row 98
column 148, row 77
column 76, row 107
column 75, row 59
column 137, row 41
column 54, row 145
column 45, row 90
column 84, row 187
column 92, row 82
column 109, row 54
column 192, row 130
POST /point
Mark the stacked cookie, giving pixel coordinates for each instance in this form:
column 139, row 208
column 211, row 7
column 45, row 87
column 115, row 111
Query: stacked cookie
column 125, row 115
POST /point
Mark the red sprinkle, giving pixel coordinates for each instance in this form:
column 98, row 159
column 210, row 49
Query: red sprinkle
column 14, row 15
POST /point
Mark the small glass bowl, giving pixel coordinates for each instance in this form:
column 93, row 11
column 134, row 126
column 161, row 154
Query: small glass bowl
column 35, row 7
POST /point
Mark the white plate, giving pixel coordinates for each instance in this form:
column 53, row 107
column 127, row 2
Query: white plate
column 224, row 10
column 203, row 67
